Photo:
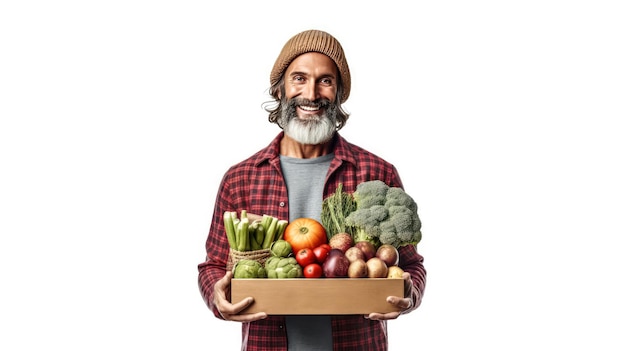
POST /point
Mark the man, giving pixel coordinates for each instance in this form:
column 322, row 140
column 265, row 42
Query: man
column 289, row 179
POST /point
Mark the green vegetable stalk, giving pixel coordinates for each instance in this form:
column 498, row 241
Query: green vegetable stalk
column 256, row 232
column 269, row 233
column 335, row 208
column 243, row 238
column 229, row 226
column 274, row 229
column 244, row 235
column 280, row 229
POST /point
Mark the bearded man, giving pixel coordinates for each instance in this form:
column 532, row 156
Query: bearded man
column 289, row 179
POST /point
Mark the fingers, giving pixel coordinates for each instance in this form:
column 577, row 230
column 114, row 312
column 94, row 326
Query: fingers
column 408, row 283
column 222, row 285
column 383, row 316
column 228, row 310
column 232, row 312
column 248, row 317
column 403, row 304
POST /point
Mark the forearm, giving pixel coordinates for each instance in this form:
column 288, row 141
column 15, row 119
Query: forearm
column 413, row 263
column 208, row 274
column 217, row 250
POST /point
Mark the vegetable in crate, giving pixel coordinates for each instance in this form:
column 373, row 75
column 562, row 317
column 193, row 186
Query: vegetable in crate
column 245, row 269
column 274, row 230
column 244, row 235
column 384, row 215
column 335, row 208
column 281, row 248
column 305, row 233
column 283, row 267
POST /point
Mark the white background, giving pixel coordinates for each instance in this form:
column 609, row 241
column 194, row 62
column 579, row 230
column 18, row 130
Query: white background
column 504, row 118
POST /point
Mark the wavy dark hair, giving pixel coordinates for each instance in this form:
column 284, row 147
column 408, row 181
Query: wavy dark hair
column 274, row 107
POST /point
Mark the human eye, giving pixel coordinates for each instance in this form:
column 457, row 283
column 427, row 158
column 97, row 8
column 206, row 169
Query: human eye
column 326, row 81
column 298, row 78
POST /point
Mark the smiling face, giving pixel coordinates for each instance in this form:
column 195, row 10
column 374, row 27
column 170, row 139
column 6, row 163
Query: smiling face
column 309, row 114
column 311, row 76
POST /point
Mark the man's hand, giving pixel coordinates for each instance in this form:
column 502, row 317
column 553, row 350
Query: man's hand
column 402, row 303
column 231, row 311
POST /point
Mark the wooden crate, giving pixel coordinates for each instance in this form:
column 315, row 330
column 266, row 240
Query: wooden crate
column 318, row 296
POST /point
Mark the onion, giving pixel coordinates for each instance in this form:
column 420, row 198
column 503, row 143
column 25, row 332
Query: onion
column 336, row 264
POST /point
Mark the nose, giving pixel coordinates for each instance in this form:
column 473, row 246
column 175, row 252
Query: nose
column 311, row 91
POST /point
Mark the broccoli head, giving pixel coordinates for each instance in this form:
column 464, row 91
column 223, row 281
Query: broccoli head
column 370, row 193
column 366, row 222
column 384, row 214
column 388, row 234
column 398, row 197
column 401, row 227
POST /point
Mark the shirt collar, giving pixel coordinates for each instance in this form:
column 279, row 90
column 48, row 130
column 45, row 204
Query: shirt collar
column 341, row 149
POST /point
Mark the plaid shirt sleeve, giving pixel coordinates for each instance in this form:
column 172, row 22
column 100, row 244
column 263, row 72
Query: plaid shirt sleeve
column 256, row 185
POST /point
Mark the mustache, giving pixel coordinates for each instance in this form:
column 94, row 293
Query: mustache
column 319, row 103
column 288, row 111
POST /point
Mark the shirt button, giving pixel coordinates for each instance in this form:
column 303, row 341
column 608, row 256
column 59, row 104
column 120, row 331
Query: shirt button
column 282, row 204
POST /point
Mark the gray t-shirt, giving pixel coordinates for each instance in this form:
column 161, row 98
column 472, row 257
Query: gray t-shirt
column 305, row 186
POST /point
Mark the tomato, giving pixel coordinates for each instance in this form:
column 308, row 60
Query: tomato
column 305, row 257
column 313, row 270
column 305, row 232
column 321, row 252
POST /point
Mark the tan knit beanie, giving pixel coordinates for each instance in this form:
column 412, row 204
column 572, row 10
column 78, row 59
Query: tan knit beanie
column 313, row 41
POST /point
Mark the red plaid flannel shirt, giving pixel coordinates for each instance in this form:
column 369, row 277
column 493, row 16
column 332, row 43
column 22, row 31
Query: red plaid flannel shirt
column 256, row 185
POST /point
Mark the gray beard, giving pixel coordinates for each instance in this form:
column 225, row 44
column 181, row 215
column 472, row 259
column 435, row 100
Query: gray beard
column 313, row 131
